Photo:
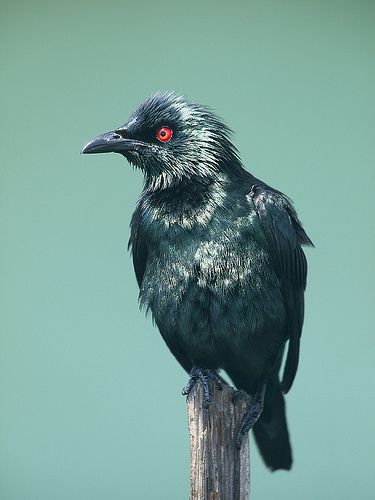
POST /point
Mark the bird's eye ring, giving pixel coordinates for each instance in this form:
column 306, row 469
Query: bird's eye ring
column 164, row 134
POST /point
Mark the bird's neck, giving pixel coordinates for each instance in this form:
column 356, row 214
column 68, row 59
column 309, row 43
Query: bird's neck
column 183, row 190
column 189, row 201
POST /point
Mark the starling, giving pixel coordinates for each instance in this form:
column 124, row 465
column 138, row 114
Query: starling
column 218, row 258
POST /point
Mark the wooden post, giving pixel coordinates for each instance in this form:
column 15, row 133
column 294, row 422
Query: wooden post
column 218, row 470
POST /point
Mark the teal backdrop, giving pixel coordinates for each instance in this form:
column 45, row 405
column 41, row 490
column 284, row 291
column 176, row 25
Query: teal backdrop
column 91, row 404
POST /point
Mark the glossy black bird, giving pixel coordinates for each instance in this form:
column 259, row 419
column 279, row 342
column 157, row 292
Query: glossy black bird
column 218, row 258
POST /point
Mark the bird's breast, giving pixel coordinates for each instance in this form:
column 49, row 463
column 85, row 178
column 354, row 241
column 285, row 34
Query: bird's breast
column 185, row 269
column 212, row 296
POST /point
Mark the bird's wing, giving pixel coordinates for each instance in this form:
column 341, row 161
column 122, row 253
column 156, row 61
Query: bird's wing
column 285, row 236
column 138, row 246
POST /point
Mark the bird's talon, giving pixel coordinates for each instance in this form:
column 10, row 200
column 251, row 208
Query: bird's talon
column 240, row 395
column 203, row 375
column 238, row 438
column 251, row 416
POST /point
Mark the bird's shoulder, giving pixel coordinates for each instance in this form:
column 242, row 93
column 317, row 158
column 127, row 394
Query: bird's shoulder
column 283, row 230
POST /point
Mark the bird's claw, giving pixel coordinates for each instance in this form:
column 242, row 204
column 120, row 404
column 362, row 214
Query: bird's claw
column 203, row 375
column 239, row 395
column 253, row 412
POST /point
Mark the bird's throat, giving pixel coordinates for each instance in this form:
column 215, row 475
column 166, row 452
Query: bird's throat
column 188, row 202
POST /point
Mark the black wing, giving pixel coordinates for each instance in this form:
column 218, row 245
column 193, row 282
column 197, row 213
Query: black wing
column 285, row 236
column 138, row 246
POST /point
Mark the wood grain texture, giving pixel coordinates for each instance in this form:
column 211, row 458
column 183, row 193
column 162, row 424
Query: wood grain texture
column 218, row 470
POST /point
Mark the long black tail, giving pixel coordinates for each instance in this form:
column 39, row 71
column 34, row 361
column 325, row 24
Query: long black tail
column 271, row 430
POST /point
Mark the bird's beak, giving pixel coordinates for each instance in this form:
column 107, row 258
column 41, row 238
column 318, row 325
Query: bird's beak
column 110, row 142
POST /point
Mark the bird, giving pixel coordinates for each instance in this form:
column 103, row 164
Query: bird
column 218, row 258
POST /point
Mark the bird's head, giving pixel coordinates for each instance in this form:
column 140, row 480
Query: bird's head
column 170, row 139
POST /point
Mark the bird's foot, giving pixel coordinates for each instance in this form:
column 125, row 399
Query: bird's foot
column 203, row 375
column 253, row 412
column 239, row 395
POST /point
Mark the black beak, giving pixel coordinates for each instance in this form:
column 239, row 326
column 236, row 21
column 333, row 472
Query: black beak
column 110, row 142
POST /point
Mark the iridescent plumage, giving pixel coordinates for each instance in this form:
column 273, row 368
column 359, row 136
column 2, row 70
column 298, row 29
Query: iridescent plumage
column 217, row 255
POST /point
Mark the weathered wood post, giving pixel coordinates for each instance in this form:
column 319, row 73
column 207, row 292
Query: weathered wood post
column 218, row 470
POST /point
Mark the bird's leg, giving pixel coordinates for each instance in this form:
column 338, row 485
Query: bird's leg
column 255, row 407
column 240, row 394
column 203, row 375
column 253, row 412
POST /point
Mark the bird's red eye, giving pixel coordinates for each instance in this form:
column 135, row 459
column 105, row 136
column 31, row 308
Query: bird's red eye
column 164, row 134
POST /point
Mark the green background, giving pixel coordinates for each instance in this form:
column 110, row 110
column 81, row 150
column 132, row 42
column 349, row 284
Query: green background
column 91, row 404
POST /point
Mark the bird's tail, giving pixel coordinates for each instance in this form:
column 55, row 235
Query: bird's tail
column 271, row 430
